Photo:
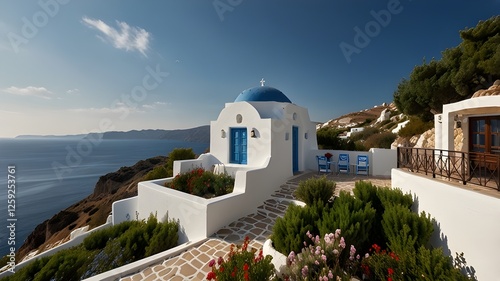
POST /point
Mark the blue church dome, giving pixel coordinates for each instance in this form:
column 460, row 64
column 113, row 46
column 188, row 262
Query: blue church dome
column 262, row 93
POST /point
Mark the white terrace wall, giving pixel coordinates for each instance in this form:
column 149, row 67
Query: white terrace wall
column 199, row 217
column 467, row 220
column 77, row 237
column 381, row 160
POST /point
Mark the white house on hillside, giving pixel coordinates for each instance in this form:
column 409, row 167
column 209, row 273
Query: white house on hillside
column 479, row 118
column 262, row 139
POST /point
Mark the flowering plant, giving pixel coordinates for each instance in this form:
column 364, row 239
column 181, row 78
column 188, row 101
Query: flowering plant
column 202, row 183
column 321, row 259
column 241, row 264
column 328, row 155
column 381, row 264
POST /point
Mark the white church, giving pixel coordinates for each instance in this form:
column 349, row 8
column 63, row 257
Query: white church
column 261, row 139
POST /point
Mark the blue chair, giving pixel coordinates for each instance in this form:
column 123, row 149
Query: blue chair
column 343, row 165
column 323, row 164
column 362, row 165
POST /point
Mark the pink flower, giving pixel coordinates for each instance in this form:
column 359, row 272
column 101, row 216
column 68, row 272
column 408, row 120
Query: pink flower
column 305, row 271
column 211, row 263
column 342, row 243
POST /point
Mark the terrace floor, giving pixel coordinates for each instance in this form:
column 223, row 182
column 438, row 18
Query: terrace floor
column 193, row 263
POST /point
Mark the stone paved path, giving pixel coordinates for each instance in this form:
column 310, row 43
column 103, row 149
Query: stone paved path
column 193, row 263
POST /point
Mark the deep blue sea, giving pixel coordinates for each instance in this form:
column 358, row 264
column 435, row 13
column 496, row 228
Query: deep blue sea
column 42, row 190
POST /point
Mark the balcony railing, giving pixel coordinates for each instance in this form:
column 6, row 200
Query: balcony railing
column 467, row 167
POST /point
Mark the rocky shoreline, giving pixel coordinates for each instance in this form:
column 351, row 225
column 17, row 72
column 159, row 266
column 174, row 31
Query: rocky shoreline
column 92, row 210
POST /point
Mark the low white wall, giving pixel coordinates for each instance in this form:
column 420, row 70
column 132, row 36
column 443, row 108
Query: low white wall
column 204, row 161
column 383, row 161
column 124, row 210
column 154, row 198
column 71, row 243
column 468, row 220
column 199, row 217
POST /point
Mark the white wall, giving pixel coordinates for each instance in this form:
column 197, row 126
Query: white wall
column 124, row 210
column 383, row 161
column 468, row 220
column 71, row 243
column 155, row 198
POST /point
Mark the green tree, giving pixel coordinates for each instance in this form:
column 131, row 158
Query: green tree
column 461, row 71
column 166, row 170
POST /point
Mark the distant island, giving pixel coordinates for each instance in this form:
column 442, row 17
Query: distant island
column 197, row 134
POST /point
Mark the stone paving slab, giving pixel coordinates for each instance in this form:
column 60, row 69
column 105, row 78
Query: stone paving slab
column 193, row 263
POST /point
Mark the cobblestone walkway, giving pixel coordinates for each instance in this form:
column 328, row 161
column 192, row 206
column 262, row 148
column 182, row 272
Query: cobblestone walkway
column 193, row 263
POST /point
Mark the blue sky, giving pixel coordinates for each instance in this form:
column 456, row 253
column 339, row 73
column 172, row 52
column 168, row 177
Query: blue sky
column 71, row 67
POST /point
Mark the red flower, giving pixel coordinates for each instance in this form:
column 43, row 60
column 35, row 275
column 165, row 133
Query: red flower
column 246, row 276
column 245, row 267
column 376, row 248
column 211, row 276
column 220, row 261
column 390, row 271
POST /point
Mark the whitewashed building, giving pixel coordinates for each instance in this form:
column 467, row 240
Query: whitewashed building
column 261, row 139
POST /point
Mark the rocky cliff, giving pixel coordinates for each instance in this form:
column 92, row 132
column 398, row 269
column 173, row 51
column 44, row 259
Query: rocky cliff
column 93, row 210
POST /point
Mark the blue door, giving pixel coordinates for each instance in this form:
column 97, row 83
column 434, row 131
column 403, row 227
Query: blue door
column 238, row 146
column 295, row 149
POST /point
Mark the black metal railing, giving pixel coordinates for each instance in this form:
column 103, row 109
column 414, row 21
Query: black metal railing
column 467, row 167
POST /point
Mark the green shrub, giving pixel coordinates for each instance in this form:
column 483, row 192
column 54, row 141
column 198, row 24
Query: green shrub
column 65, row 265
column 365, row 134
column 166, row 171
column 394, row 220
column 381, row 140
column 104, row 250
column 415, row 127
column 394, row 196
column 411, row 264
column 314, row 189
column 178, row 154
column 158, row 172
column 353, row 216
column 290, row 231
column 97, row 240
column 328, row 138
column 202, row 183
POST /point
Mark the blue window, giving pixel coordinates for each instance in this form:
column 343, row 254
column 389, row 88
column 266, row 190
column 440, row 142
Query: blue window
column 238, row 146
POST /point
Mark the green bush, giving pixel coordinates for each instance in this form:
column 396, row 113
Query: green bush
column 104, row 250
column 67, row 264
column 353, row 216
column 328, row 138
column 314, row 189
column 365, row 134
column 381, row 140
column 415, row 127
column 394, row 220
column 290, row 231
column 159, row 172
column 167, row 170
column 178, row 154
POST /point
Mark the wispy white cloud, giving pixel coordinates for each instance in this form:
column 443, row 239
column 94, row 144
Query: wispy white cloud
column 120, row 108
column 73, row 92
column 129, row 38
column 39, row 92
column 153, row 105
